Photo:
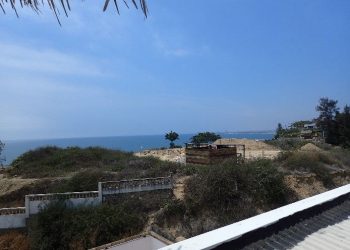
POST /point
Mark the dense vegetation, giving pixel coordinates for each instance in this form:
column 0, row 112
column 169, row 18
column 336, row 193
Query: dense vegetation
column 288, row 144
column 205, row 137
column 54, row 161
column 333, row 124
column 172, row 136
column 221, row 193
column 224, row 186
column 83, row 227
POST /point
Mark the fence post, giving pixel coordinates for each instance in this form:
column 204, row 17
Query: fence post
column 27, row 205
column 100, row 192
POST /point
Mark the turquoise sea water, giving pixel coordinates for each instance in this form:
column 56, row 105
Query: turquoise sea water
column 14, row 148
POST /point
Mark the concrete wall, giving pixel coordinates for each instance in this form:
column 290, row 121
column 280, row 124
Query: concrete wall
column 16, row 217
column 36, row 202
column 12, row 218
column 136, row 185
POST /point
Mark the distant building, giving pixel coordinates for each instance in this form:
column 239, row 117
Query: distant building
column 310, row 126
column 310, row 131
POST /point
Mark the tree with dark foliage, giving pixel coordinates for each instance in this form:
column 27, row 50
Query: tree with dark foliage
column 343, row 126
column 326, row 121
column 205, row 137
column 279, row 131
column 172, row 136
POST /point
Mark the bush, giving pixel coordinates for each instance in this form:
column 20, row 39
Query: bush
column 312, row 162
column 83, row 181
column 341, row 155
column 53, row 161
column 173, row 212
column 287, row 143
column 223, row 187
column 60, row 226
column 14, row 240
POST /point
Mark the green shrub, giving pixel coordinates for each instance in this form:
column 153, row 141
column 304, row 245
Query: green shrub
column 311, row 162
column 60, row 226
column 341, row 155
column 173, row 211
column 86, row 180
column 223, row 187
column 53, row 161
column 287, row 143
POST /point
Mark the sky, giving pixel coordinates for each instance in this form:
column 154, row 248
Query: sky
column 228, row 65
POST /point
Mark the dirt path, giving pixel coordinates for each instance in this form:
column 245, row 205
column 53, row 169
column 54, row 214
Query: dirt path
column 179, row 187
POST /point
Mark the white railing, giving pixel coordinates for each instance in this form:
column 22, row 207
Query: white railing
column 12, row 210
column 35, row 202
column 15, row 217
column 136, row 185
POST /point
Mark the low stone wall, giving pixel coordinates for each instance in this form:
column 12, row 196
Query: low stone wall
column 16, row 217
column 136, row 185
column 12, row 217
column 35, row 202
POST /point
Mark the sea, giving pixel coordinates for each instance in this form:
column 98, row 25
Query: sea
column 14, row 148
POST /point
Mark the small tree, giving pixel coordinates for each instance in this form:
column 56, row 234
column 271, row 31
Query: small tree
column 172, row 136
column 326, row 121
column 343, row 121
column 2, row 159
column 279, row 131
column 205, row 137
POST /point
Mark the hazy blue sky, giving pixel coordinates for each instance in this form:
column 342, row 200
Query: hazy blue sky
column 191, row 66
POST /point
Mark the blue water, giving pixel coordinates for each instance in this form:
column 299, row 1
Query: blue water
column 14, row 148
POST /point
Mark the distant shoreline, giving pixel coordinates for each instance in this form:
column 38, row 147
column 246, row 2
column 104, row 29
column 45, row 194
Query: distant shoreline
column 14, row 148
column 251, row 132
column 145, row 135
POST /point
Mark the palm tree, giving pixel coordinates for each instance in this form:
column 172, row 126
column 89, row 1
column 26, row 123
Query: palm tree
column 172, row 136
column 54, row 5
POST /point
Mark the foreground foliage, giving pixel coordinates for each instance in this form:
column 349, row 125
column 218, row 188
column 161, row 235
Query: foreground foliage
column 222, row 187
column 205, row 137
column 60, row 226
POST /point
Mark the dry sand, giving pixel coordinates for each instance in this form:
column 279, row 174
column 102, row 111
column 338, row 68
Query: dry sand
column 310, row 147
column 254, row 149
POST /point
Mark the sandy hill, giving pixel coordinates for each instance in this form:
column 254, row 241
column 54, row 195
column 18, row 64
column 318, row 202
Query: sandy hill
column 310, row 147
column 249, row 144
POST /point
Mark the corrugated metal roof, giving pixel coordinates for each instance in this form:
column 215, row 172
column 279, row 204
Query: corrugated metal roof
column 327, row 230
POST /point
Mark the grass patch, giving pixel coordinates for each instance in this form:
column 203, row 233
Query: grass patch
column 287, row 143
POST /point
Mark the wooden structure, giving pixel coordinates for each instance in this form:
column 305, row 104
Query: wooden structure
column 207, row 154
